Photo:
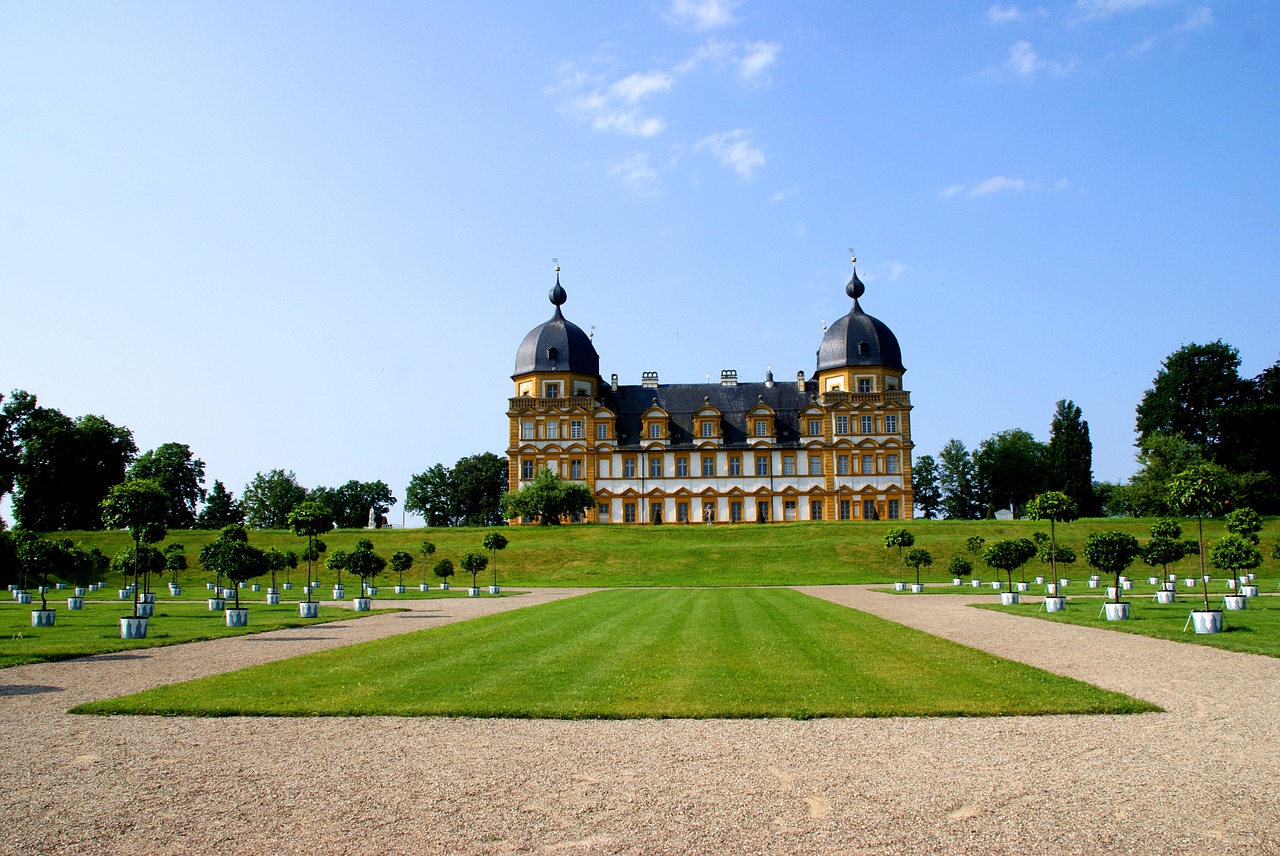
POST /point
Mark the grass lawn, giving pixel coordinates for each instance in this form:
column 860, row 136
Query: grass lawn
column 1255, row 630
column 824, row 553
column 643, row 654
column 96, row 628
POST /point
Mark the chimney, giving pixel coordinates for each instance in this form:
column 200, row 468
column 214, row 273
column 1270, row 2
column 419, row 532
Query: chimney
column 729, row 377
column 649, row 380
column 800, row 381
column 613, row 382
column 768, row 377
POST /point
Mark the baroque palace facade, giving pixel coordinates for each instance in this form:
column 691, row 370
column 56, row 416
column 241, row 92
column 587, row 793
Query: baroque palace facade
column 833, row 446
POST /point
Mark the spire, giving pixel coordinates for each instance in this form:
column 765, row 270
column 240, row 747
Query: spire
column 557, row 295
column 855, row 288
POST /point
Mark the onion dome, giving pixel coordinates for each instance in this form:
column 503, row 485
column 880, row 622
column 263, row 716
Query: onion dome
column 858, row 339
column 557, row 345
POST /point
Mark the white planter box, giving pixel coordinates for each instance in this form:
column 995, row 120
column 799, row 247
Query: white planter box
column 273, row 598
column 237, row 617
column 1249, row 591
column 1051, row 588
column 473, row 592
column 1064, row 582
column 339, row 592
column 146, row 610
column 1231, row 584
column 217, row 604
column 996, row 585
column 955, row 581
column 1093, row 583
column 133, row 628
column 1055, row 604
column 916, row 588
column 1235, row 601
column 362, row 604
column 209, row 586
column 288, row 586
column 1207, row 622
column 1126, row 584
column 899, row 586
column 1165, row 596
column 1039, row 581
column 256, row 586
column 976, row 583
column 1189, row 583
column 444, row 586
column 24, row 597
column 424, row 587
column 43, row 617
column 399, row 589
column 1116, row 611
column 308, row 609
column 1022, row 586
column 74, row 603
column 497, row 589
column 1008, row 598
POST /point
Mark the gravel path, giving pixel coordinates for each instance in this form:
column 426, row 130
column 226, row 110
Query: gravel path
column 1204, row 776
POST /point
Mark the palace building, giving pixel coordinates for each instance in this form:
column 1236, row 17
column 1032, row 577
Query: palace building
column 835, row 445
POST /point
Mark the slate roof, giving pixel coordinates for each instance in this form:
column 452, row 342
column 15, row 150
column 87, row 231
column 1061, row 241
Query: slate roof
column 858, row 339
column 557, row 345
column 681, row 401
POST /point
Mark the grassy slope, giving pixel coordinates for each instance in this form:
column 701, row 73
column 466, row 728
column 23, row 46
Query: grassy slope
column 775, row 554
column 653, row 654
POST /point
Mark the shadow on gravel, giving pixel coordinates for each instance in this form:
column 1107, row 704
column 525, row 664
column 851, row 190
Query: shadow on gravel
column 119, row 656
column 28, row 689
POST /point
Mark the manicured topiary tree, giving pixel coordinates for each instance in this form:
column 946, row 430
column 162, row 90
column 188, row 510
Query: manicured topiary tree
column 474, row 563
column 337, row 562
column 308, row 519
column 975, row 544
column 276, row 561
column 365, row 563
column 960, row 567
column 1110, row 552
column 918, row 557
column 38, row 557
column 401, row 562
column 1199, row 490
column 900, row 538
column 427, row 550
column 1054, row 506
column 1235, row 553
column 1244, row 522
column 493, row 542
column 234, row 559
column 141, row 562
column 1163, row 552
column 175, row 559
column 1009, row 555
column 141, row 506
column 443, row 569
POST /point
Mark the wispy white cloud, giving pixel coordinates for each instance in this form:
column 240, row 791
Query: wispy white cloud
column 759, row 56
column 998, row 14
column 612, row 106
column 1024, row 63
column 633, row 87
column 1101, row 10
column 1197, row 19
column 999, row 184
column 701, row 14
column 630, row 122
column 635, row 171
column 783, row 194
column 735, row 150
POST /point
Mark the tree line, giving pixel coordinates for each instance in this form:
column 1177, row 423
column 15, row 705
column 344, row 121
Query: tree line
column 1199, row 410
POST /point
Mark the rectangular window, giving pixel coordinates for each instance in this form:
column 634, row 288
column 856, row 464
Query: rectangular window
column 735, row 512
column 602, row 511
column 575, row 469
column 526, row 470
column 844, row 509
column 655, row 430
column 815, row 427
column 762, row 465
column 894, row 506
column 815, row 509
column 868, row 465
column 655, row 512
column 655, row 466
column 682, row 512
column 629, row 468
column 789, row 510
column 864, row 384
column 842, row 424
column 869, row 510
column 762, row 428
column 708, row 466
column 762, row 511
column 553, row 430
column 682, row 467
column 891, row 424
column 867, row 425
column 891, row 464
column 708, row 511
column 552, row 390
column 575, row 429
column 735, row 465
column 602, row 431
column 842, row 465
column 526, row 429
column 604, row 468
column 708, row 428
column 629, row 512
column 788, row 465
column 815, row 465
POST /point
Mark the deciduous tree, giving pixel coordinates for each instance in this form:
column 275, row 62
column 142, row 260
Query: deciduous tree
column 548, row 499
column 926, row 488
column 172, row 466
column 268, row 499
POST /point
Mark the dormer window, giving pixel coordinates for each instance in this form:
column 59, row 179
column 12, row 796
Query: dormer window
column 863, row 349
column 552, row 353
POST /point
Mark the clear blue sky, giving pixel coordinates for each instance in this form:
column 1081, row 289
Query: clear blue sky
column 311, row 235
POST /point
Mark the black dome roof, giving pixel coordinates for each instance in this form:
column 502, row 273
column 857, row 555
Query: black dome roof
column 557, row 345
column 857, row 339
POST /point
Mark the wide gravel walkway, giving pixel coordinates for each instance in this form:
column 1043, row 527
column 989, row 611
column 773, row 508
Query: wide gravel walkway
column 1202, row 777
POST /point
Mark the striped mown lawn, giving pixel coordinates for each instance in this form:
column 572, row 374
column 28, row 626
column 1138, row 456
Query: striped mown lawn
column 643, row 654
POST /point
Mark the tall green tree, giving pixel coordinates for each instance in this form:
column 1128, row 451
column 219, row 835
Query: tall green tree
column 307, row 520
column 1069, row 457
column 431, row 494
column 1110, row 552
column 350, row 503
column 1056, row 507
column 548, row 499
column 1191, row 395
column 172, row 466
column 1009, row 555
column 220, row 509
column 479, row 483
column 268, row 499
column 959, row 482
column 926, row 487
column 1011, row 468
column 1199, row 489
